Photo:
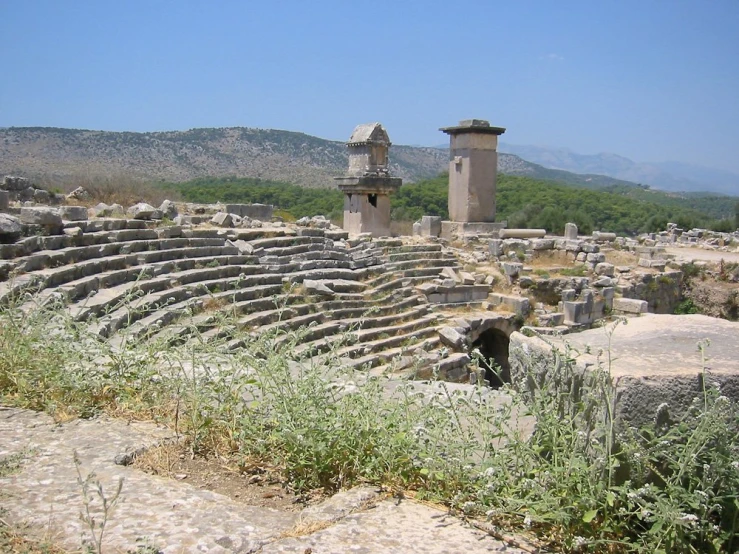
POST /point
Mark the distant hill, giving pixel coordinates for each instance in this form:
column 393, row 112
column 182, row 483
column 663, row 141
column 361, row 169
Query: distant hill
column 668, row 176
column 268, row 154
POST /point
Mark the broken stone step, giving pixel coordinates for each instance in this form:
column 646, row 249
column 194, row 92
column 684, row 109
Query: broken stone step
column 370, row 354
column 406, row 248
column 422, row 263
column 398, row 363
column 261, row 233
column 418, row 255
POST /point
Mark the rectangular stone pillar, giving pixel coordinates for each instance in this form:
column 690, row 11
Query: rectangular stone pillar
column 473, row 169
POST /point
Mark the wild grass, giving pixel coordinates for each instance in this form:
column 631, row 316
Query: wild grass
column 112, row 189
column 580, row 481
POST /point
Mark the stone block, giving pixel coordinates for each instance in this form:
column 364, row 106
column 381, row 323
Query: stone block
column 596, row 258
column 142, row 210
column 73, row 213
column 168, row 209
column 10, row 228
column 604, row 268
column 589, row 247
column 262, row 212
column 630, row 306
column 573, row 245
column 41, row 196
column 542, row 244
column 449, row 273
column 639, row 351
column 4, row 200
column 79, row 194
column 659, row 265
column 570, row 231
column 452, row 338
column 467, row 278
column 13, row 183
column 519, row 304
column 430, row 226
column 569, row 294
column 48, row 217
column 511, row 269
column 417, row 229
column 223, row 219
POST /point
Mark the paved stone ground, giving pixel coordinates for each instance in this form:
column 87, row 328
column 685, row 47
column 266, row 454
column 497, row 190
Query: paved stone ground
column 699, row 254
column 178, row 518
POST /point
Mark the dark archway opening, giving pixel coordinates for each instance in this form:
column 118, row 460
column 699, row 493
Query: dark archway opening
column 493, row 345
column 372, row 199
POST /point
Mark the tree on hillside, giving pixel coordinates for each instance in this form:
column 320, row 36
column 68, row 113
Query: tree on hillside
column 736, row 215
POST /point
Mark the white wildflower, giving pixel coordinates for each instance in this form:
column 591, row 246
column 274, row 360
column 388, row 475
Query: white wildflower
column 688, row 518
column 527, row 521
column 468, row 506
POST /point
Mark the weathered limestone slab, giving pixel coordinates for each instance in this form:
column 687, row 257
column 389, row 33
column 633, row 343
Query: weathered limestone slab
column 654, row 360
column 4, row 200
column 570, row 231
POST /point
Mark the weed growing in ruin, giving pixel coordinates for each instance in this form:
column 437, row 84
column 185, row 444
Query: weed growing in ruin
column 576, row 271
column 93, row 516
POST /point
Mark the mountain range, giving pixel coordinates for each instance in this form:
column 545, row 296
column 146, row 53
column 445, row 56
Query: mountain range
column 55, row 153
column 667, row 176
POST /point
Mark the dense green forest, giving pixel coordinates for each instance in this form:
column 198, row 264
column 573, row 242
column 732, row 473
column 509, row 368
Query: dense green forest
column 522, row 201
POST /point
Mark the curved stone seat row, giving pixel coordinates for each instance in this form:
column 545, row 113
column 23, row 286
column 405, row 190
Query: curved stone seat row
column 351, row 298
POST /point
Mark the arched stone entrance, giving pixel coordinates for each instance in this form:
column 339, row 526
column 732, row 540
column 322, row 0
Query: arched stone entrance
column 491, row 338
column 493, row 346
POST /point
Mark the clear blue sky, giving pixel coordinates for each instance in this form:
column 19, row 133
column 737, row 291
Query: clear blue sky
column 652, row 80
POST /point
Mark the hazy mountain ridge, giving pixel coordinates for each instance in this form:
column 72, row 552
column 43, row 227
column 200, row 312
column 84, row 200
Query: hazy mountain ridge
column 236, row 151
column 668, row 176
